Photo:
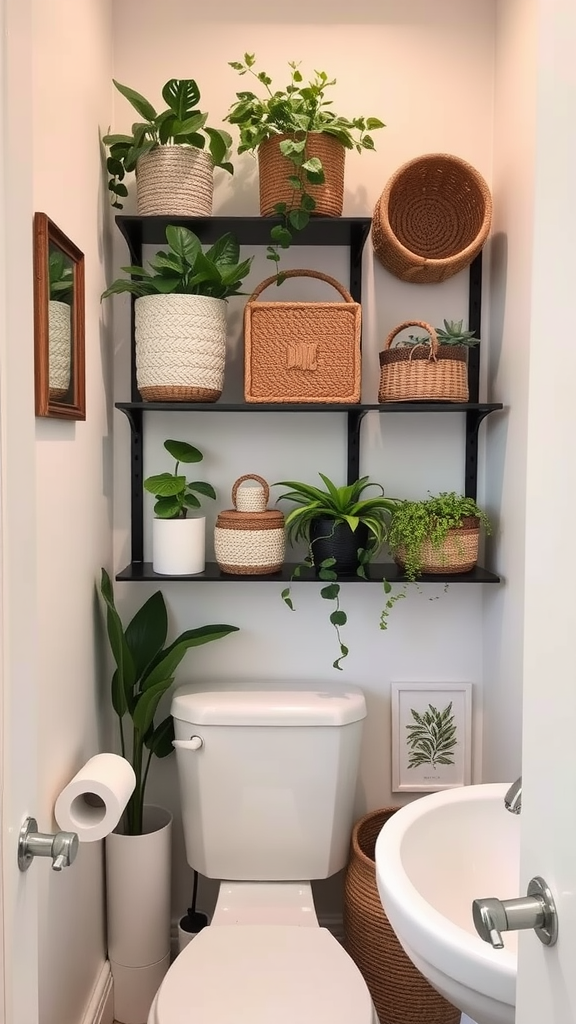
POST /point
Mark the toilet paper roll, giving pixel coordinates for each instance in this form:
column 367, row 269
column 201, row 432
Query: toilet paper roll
column 93, row 801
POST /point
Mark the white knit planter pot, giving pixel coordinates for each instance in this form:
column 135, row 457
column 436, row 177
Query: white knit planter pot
column 175, row 181
column 59, row 348
column 138, row 914
column 179, row 546
column 180, row 347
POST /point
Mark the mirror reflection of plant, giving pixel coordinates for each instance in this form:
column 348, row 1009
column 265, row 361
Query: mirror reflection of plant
column 297, row 110
column 181, row 124
column 414, row 522
column 60, row 277
column 174, row 494
column 186, row 270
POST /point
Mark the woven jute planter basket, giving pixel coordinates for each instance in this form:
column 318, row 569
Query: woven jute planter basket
column 432, row 218
column 180, row 347
column 401, row 995
column 275, row 169
column 457, row 553
column 175, row 181
column 249, row 539
column 59, row 348
column 433, row 373
column 302, row 351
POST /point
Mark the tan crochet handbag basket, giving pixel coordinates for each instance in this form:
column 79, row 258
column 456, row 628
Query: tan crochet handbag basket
column 432, row 373
column 302, row 351
column 249, row 540
column 432, row 218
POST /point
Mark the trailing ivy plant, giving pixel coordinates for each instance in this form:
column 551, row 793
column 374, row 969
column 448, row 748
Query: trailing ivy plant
column 414, row 522
column 297, row 110
column 181, row 124
column 174, row 494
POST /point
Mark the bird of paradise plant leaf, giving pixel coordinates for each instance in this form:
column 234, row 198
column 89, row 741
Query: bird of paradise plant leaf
column 432, row 737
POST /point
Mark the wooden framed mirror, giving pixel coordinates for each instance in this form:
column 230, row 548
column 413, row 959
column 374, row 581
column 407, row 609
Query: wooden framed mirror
column 59, row 368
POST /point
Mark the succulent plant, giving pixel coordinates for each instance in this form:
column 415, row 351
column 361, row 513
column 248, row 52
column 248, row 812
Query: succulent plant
column 453, row 334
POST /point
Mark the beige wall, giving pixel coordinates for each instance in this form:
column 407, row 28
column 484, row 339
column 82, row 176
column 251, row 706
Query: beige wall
column 72, row 100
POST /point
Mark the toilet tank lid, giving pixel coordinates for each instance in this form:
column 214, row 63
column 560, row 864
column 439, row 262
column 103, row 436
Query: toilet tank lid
column 269, row 704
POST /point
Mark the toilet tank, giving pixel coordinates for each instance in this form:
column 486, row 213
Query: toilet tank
column 267, row 778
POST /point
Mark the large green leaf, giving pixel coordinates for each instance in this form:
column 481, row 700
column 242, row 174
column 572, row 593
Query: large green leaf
column 146, row 632
column 139, row 102
column 143, row 714
column 167, row 663
column 184, row 242
column 182, row 451
column 169, row 508
column 181, row 95
column 118, row 646
column 225, row 252
column 189, row 125
column 165, row 484
column 219, row 145
column 160, row 740
column 118, row 696
column 202, row 488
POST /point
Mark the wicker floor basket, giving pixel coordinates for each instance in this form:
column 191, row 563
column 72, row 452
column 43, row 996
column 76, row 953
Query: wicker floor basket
column 457, row 553
column 275, row 169
column 432, row 218
column 399, row 992
column 432, row 373
column 302, row 351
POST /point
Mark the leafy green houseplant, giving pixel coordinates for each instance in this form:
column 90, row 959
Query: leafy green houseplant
column 301, row 144
column 437, row 535
column 343, row 532
column 175, row 495
column 60, row 277
column 181, row 301
column 175, row 140
column 452, row 333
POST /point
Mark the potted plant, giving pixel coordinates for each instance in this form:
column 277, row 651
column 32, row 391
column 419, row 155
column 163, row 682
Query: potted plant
column 138, row 852
column 61, row 296
column 182, row 305
column 343, row 532
column 438, row 535
column 301, row 145
column 431, row 367
column 173, row 153
column 178, row 540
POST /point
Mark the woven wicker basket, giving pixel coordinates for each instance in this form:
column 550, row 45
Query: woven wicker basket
column 250, row 543
column 60, row 349
column 275, row 169
column 302, row 351
column 432, row 218
column 432, row 373
column 399, row 992
column 457, row 553
column 175, row 181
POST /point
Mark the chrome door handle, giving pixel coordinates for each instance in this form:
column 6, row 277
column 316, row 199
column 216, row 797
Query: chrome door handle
column 62, row 847
column 536, row 910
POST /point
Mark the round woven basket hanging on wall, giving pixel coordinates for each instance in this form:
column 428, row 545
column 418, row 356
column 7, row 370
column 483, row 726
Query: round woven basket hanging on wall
column 274, row 170
column 432, row 218
column 399, row 992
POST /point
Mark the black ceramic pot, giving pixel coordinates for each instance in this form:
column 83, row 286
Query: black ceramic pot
column 331, row 539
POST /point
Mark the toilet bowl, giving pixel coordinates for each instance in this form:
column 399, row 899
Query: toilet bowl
column 267, row 779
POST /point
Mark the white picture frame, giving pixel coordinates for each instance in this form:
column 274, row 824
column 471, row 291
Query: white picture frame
column 421, row 712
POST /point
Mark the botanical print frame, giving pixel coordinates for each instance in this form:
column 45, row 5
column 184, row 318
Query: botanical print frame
column 431, row 736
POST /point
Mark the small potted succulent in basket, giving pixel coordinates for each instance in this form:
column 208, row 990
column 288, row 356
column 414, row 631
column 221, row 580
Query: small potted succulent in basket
column 438, row 535
column 343, row 532
column 173, row 153
column 178, row 539
column 183, row 302
column 301, row 145
column 430, row 367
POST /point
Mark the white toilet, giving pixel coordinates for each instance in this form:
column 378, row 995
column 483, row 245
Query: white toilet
column 267, row 782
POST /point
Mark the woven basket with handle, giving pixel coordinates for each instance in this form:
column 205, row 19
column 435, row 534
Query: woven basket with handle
column 422, row 373
column 302, row 351
column 401, row 995
column 251, row 542
column 275, row 169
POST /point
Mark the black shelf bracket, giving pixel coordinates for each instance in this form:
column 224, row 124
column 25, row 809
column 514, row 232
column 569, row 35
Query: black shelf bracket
column 354, row 423
column 473, row 421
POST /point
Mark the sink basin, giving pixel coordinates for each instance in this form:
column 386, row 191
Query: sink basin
column 433, row 858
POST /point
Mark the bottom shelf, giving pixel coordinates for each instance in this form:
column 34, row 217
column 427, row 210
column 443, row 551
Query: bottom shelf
column 139, row 572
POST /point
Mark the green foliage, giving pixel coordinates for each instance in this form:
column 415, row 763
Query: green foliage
column 173, row 492
column 451, row 334
column 413, row 522
column 298, row 109
column 186, row 270
column 181, row 124
column 432, row 737
column 145, row 669
column 60, row 277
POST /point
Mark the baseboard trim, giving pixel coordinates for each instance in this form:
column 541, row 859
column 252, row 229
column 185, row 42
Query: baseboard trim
column 100, row 1009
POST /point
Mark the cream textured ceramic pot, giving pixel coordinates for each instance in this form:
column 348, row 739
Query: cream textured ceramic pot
column 59, row 348
column 179, row 546
column 175, row 181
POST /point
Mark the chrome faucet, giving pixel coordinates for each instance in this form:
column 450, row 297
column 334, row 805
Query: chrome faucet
column 513, row 797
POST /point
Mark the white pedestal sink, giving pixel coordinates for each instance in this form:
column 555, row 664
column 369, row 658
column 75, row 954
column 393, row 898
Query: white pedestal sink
column 433, row 858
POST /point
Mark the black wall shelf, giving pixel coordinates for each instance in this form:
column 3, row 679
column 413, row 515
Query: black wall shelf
column 138, row 572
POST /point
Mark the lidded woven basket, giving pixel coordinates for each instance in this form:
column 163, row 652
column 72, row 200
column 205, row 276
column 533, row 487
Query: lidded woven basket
column 422, row 373
column 302, row 351
column 432, row 218
column 249, row 539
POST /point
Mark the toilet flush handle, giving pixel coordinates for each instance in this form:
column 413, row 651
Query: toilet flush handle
column 194, row 743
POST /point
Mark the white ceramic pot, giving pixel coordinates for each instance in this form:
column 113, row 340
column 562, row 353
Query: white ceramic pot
column 175, row 180
column 138, row 913
column 180, row 347
column 59, row 348
column 179, row 546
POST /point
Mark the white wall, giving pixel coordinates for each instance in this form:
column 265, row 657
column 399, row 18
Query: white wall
column 72, row 100
column 427, row 71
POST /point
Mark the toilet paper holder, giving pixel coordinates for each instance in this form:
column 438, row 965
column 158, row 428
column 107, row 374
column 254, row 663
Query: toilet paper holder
column 62, row 847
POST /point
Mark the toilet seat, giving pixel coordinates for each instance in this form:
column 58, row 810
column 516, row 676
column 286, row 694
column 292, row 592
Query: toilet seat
column 263, row 974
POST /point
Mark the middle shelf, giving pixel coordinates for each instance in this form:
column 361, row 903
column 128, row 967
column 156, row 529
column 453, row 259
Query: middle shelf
column 138, row 572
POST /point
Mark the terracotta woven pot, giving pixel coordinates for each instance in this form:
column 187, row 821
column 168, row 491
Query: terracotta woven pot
column 457, row 553
column 274, row 170
column 399, row 992
column 175, row 181
column 433, row 373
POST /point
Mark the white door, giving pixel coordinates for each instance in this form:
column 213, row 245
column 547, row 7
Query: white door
column 19, row 673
